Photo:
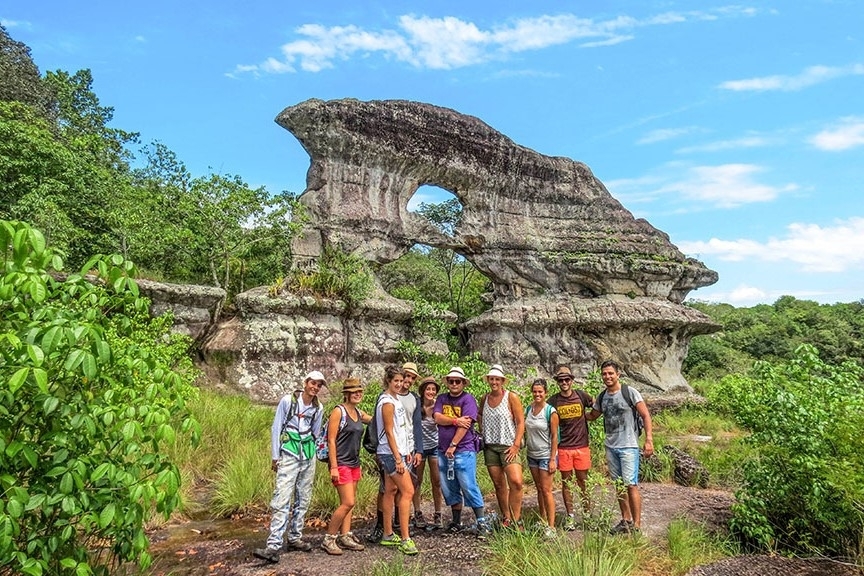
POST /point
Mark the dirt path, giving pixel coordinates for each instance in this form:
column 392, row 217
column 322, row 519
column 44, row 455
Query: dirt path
column 225, row 547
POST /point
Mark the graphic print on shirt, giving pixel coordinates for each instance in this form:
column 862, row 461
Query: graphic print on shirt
column 451, row 411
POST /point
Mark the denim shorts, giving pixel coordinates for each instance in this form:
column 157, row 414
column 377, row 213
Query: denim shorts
column 430, row 452
column 541, row 463
column 388, row 464
column 623, row 465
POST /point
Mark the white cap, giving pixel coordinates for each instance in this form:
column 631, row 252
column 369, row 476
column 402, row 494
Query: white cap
column 315, row 375
column 496, row 370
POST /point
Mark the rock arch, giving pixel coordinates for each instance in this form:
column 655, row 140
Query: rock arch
column 576, row 277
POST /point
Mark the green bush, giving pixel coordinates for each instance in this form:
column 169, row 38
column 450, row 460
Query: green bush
column 805, row 488
column 92, row 390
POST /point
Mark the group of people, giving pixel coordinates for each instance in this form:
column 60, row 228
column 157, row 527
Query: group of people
column 443, row 433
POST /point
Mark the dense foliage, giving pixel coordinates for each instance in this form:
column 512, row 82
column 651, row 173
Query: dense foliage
column 773, row 332
column 804, row 490
column 65, row 170
column 92, row 387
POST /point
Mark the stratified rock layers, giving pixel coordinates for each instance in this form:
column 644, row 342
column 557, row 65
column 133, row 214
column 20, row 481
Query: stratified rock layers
column 576, row 277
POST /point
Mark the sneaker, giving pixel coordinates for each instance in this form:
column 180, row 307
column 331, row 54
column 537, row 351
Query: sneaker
column 348, row 541
column 408, row 547
column 419, row 520
column 436, row 524
column 569, row 523
column 391, row 540
column 270, row 555
column 453, row 528
column 623, row 527
column 550, row 533
column 483, row 528
column 298, row 545
column 376, row 534
column 330, row 546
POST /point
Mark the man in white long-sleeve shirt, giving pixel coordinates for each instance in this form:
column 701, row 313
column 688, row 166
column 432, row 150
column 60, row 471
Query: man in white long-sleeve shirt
column 296, row 427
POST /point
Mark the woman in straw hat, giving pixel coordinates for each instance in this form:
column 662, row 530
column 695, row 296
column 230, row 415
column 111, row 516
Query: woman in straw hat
column 344, row 432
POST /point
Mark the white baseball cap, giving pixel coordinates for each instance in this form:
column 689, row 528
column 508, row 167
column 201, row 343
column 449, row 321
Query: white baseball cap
column 315, row 375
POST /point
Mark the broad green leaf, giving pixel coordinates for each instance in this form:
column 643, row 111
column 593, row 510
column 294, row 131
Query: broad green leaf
column 38, row 291
column 36, row 354
column 66, row 483
column 41, row 377
column 50, row 339
column 103, row 351
column 50, row 404
column 91, row 368
column 106, row 516
column 17, row 379
column 76, row 356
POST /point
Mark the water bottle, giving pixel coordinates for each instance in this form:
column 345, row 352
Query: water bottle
column 451, row 469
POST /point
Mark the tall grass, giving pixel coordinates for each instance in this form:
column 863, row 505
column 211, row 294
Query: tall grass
column 229, row 469
column 530, row 553
column 690, row 545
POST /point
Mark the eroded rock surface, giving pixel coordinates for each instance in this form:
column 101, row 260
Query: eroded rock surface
column 576, row 277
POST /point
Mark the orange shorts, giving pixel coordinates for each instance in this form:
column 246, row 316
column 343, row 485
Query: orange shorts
column 574, row 459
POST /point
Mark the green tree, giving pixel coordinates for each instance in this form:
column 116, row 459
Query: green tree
column 92, row 390
column 22, row 81
column 804, row 491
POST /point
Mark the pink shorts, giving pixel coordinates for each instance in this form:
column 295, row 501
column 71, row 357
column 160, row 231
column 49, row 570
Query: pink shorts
column 574, row 459
column 348, row 475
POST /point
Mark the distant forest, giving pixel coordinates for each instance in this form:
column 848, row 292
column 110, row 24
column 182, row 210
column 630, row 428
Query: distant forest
column 92, row 188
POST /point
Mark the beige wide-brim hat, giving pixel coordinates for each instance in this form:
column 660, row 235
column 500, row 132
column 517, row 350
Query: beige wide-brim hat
column 457, row 372
column 410, row 368
column 352, row 385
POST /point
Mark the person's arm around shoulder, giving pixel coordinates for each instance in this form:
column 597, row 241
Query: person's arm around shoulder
column 364, row 417
column 333, row 431
column 553, row 432
column 512, row 453
column 642, row 409
column 595, row 411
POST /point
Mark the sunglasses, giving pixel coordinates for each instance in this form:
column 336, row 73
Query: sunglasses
column 454, row 381
column 565, row 380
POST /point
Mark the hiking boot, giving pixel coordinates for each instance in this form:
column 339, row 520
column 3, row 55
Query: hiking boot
column 298, row 545
column 550, row 533
column 436, row 524
column 270, row 555
column 453, row 528
column 391, row 540
column 376, row 534
column 347, row 541
column 569, row 523
column 623, row 527
column 408, row 547
column 330, row 546
column 419, row 520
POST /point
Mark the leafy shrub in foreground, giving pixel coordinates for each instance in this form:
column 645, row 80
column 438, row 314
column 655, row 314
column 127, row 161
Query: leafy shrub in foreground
column 91, row 389
column 805, row 488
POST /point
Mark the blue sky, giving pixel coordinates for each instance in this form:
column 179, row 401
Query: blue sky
column 738, row 129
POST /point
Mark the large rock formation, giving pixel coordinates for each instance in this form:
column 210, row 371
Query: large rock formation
column 576, row 277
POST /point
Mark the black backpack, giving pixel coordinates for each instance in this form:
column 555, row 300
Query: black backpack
column 637, row 418
column 371, row 437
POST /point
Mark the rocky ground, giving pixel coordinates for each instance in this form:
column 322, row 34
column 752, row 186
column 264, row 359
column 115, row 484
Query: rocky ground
column 225, row 547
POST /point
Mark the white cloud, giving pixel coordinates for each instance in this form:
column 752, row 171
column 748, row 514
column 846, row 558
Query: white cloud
column 664, row 134
column 723, row 186
column 814, row 248
column 734, row 144
column 746, row 295
column 809, row 77
column 9, row 23
column 848, row 134
column 449, row 42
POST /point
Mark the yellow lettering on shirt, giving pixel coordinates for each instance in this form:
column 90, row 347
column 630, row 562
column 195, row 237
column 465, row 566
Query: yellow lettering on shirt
column 570, row 411
column 451, row 411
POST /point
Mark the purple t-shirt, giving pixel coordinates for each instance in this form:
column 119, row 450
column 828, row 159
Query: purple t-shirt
column 456, row 407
